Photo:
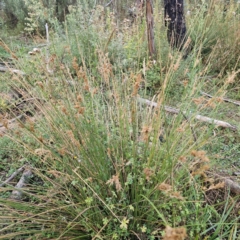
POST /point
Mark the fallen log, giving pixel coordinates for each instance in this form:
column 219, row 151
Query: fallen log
column 223, row 99
column 198, row 117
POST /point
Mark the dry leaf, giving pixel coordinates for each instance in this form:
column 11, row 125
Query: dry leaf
column 148, row 173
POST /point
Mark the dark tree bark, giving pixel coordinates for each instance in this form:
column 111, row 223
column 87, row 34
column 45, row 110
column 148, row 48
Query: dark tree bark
column 175, row 22
column 150, row 25
column 61, row 9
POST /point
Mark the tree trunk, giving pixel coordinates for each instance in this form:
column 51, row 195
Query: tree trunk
column 150, row 25
column 61, row 10
column 175, row 22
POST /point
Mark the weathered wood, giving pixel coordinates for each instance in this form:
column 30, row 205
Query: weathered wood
column 229, row 183
column 175, row 22
column 223, row 99
column 13, row 70
column 12, row 176
column 150, row 27
column 198, row 117
column 233, row 186
column 17, row 194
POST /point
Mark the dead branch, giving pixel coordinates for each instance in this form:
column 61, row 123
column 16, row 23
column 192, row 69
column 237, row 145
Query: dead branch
column 12, row 176
column 223, row 99
column 198, row 117
column 233, row 186
column 47, row 50
column 17, row 194
column 12, row 70
column 150, row 27
column 106, row 5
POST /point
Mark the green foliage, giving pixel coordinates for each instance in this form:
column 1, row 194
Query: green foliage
column 15, row 11
column 206, row 23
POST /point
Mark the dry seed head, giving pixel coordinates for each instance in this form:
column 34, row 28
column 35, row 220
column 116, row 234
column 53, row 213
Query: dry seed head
column 81, row 110
column 185, row 82
column 179, row 233
column 94, row 91
column 108, row 151
column 146, row 130
column 136, row 86
column 182, row 159
column 148, row 173
column 64, row 110
column 164, row 187
column 104, row 66
column 187, row 43
column 177, row 195
column 211, row 103
column 201, row 170
column 186, row 71
column 79, row 98
column 55, row 173
column 5, row 123
column 201, row 155
column 199, row 101
column 231, row 77
column 62, row 151
column 40, row 84
column 182, row 127
column 75, row 64
column 72, row 138
column 177, row 64
column 43, row 153
column 115, row 180
column 216, row 186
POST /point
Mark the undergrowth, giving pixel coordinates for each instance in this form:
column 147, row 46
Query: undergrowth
column 105, row 165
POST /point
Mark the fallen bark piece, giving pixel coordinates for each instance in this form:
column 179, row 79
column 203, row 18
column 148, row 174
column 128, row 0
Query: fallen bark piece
column 12, row 176
column 223, row 99
column 198, row 117
column 17, row 194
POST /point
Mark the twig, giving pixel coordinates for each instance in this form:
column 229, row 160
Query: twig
column 13, row 176
column 106, row 5
column 17, row 194
column 29, row 99
column 224, row 99
column 198, row 117
column 47, row 50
